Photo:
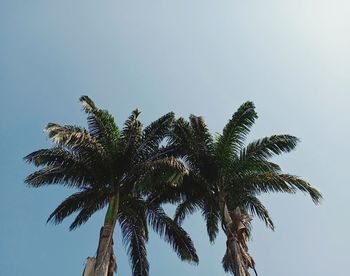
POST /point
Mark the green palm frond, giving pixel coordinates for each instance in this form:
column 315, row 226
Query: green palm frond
column 56, row 156
column 272, row 182
column 231, row 140
column 224, row 176
column 181, row 139
column 212, row 218
column 303, row 186
column 186, row 208
column 202, row 153
column 134, row 209
column 70, row 177
column 241, row 166
column 253, row 205
column 165, row 195
column 101, row 125
column 202, row 137
column 132, row 130
column 269, row 146
column 160, row 184
column 70, row 205
column 87, row 211
column 172, row 233
column 154, row 134
column 130, row 138
column 87, row 202
column 135, row 242
column 163, row 164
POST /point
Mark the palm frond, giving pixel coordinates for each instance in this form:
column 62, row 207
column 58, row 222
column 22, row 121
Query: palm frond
column 186, row 208
column 181, row 139
column 167, row 163
column 70, row 205
column 160, row 185
column 172, row 233
column 56, row 156
column 87, row 202
column 269, row 146
column 272, row 182
column 253, row 205
column 76, row 139
column 156, row 176
column 154, row 134
column 202, row 136
column 202, row 154
column 101, row 125
column 255, row 165
column 88, row 210
column 235, row 131
column 135, row 242
column 88, row 104
column 303, row 186
column 131, row 137
column 212, row 218
column 134, row 208
column 70, row 177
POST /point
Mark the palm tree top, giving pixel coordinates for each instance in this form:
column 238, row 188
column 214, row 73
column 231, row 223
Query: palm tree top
column 106, row 165
column 224, row 167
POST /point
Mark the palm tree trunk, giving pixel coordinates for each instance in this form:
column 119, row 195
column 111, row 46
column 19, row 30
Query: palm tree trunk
column 233, row 247
column 105, row 245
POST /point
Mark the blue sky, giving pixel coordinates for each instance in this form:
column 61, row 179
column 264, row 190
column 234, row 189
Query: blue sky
column 202, row 57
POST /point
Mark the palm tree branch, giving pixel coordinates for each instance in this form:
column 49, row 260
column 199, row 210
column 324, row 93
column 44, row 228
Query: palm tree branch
column 235, row 131
column 274, row 182
column 153, row 135
column 135, row 242
column 254, row 206
column 172, row 233
column 269, row 146
column 101, row 125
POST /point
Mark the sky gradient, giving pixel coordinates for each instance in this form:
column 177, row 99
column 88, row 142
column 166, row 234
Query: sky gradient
column 291, row 58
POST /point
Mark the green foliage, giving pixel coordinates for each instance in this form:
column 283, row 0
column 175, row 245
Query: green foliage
column 103, row 162
column 168, row 161
column 223, row 172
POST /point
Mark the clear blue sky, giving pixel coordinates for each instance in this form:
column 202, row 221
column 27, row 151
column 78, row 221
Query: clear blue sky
column 204, row 57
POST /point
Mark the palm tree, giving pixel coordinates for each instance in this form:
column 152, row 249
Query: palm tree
column 114, row 168
column 226, row 179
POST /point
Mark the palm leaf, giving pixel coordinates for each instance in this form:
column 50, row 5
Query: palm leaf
column 70, row 177
column 87, row 201
column 101, row 125
column 77, row 140
column 254, row 206
column 235, row 132
column 154, row 134
column 186, row 208
column 212, row 218
column 172, row 233
column 134, row 240
column 269, row 146
column 271, row 182
column 56, row 156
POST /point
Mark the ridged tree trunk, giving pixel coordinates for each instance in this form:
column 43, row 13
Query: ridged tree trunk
column 104, row 254
column 236, row 247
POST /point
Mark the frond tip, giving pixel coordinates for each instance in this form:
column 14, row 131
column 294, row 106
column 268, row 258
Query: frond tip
column 88, row 105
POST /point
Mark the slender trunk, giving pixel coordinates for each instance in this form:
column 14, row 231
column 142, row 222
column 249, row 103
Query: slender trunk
column 234, row 248
column 105, row 245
